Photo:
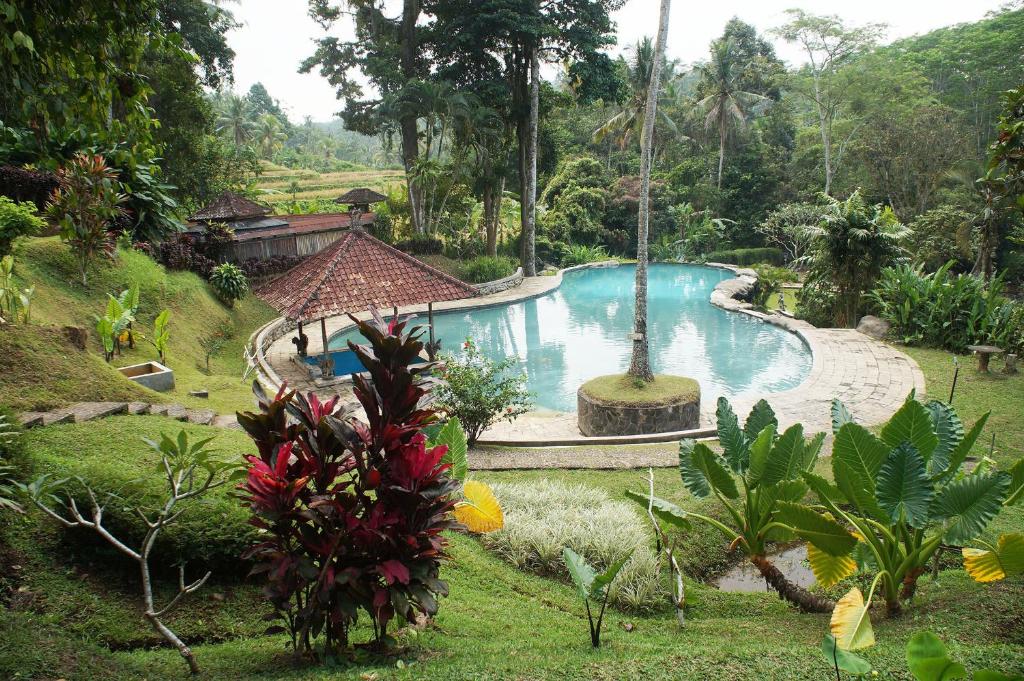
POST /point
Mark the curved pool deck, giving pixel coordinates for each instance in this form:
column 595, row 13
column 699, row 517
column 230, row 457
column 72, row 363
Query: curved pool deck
column 870, row 377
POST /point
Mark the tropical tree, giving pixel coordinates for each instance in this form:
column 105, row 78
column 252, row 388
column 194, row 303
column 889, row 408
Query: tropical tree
column 235, row 119
column 899, row 496
column 627, row 125
column 829, row 45
column 725, row 104
column 269, row 134
column 640, row 363
column 850, row 246
column 768, row 468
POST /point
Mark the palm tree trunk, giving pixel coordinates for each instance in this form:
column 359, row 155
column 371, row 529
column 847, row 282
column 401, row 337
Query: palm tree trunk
column 530, row 212
column 798, row 596
column 721, row 151
column 407, row 123
column 640, row 364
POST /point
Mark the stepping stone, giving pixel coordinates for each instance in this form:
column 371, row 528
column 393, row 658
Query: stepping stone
column 177, row 411
column 138, row 408
column 225, row 421
column 31, row 419
column 53, row 418
column 158, row 409
column 202, row 417
column 87, row 411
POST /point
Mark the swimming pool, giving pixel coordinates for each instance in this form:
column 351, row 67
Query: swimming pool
column 580, row 331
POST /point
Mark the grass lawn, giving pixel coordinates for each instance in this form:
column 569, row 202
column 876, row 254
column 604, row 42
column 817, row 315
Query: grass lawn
column 40, row 370
column 70, row 607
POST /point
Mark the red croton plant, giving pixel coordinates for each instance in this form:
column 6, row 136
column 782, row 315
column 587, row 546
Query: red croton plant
column 353, row 513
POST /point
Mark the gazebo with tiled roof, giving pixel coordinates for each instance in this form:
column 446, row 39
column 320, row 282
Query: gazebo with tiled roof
column 230, row 206
column 354, row 274
column 360, row 198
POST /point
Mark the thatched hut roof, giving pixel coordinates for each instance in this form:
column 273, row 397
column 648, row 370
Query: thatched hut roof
column 230, row 206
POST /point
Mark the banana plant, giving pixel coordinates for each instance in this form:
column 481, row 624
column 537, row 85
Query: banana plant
column 118, row 319
column 758, row 472
column 900, row 496
column 161, row 335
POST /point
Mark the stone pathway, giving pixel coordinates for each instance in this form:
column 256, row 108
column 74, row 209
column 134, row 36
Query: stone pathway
column 89, row 411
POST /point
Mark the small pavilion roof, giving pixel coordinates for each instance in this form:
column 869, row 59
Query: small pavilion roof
column 361, row 195
column 230, row 206
column 355, row 273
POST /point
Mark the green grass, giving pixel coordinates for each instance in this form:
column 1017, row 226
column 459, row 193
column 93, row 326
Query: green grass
column 620, row 389
column 276, row 181
column 72, row 611
column 32, row 380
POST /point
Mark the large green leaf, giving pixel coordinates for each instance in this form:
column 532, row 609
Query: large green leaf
column 604, row 579
column 786, row 458
column 825, row 490
column 582, row 574
column 768, row 496
column 858, row 490
column 950, row 431
column 929, row 661
column 911, row 423
column 812, row 448
column 663, row 510
column 851, row 622
column 693, row 478
column 968, row 504
column 731, row 437
column 453, row 436
column 759, row 450
column 851, row 663
column 840, row 416
column 860, row 450
column 1016, row 493
column 904, row 488
column 709, row 463
column 1006, row 559
column 761, row 416
column 823, row 532
column 960, row 452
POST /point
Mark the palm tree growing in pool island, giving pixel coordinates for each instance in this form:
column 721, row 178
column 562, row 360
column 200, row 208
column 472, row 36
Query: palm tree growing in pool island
column 640, row 365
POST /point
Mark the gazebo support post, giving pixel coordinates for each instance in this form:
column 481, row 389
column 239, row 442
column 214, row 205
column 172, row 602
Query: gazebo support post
column 323, row 333
column 430, row 324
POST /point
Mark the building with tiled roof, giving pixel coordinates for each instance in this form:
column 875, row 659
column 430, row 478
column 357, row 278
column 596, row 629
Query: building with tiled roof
column 355, row 273
column 230, row 206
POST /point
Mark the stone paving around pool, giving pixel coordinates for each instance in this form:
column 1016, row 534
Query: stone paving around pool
column 869, row 376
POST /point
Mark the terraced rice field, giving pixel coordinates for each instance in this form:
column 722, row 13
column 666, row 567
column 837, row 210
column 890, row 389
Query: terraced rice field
column 276, row 181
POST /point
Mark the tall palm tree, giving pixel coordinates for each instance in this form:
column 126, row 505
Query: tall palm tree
column 726, row 104
column 627, row 124
column 235, row 119
column 269, row 135
column 640, row 364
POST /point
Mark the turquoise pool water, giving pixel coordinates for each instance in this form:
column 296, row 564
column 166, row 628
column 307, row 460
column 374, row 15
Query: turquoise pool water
column 579, row 331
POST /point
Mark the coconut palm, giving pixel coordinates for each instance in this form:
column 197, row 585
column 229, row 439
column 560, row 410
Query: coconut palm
column 726, row 105
column 268, row 134
column 640, row 363
column 627, row 124
column 235, row 119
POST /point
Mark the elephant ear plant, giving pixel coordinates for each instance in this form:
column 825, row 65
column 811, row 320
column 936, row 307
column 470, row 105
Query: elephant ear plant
column 902, row 495
column 592, row 587
column 758, row 472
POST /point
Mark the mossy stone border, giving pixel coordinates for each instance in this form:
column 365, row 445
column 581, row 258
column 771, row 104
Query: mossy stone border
column 630, row 415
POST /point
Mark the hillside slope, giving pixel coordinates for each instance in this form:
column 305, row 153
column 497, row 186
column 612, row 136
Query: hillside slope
column 38, row 368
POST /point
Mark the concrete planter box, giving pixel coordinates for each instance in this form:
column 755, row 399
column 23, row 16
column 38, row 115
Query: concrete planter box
column 152, row 375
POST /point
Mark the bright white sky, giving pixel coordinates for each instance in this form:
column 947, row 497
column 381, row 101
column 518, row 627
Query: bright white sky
column 276, row 35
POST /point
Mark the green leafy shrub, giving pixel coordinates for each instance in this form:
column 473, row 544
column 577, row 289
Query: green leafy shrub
column 580, row 254
column 817, row 303
column 666, row 249
column 769, row 283
column 744, row 257
column 12, row 445
column 487, row 268
column 421, row 244
column 15, row 303
column 16, row 219
column 542, row 518
column 898, row 497
column 940, row 235
column 480, row 392
column 946, row 310
column 229, row 282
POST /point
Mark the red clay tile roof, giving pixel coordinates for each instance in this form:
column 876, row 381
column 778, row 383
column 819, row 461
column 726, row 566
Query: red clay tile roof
column 230, row 206
column 355, row 273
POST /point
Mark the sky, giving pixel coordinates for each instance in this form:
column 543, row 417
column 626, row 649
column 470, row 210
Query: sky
column 276, row 35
